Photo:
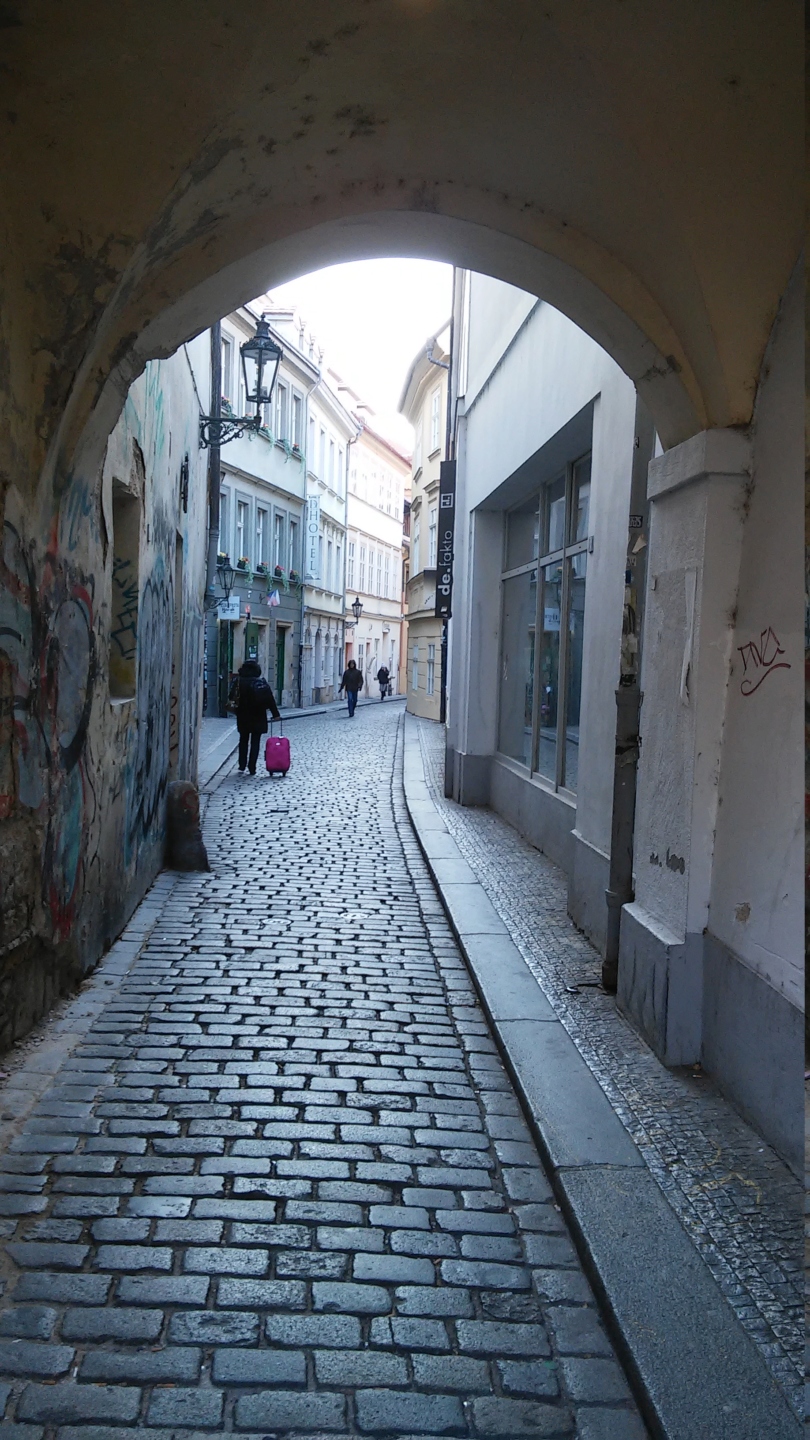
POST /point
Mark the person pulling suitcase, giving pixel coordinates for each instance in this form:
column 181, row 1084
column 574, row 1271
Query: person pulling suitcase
column 250, row 698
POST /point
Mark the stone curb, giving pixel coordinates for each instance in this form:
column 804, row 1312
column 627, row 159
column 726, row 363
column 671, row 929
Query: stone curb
column 694, row 1371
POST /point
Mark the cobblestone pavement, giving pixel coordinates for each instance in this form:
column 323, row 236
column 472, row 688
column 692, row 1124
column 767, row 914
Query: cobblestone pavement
column 282, row 1186
column 737, row 1200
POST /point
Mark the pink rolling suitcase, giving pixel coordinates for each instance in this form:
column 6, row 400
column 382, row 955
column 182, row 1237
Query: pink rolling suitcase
column 277, row 752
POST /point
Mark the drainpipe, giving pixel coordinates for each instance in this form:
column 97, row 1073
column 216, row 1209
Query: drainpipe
column 214, row 487
column 628, row 701
column 448, row 449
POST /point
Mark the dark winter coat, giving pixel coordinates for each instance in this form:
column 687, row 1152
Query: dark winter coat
column 352, row 680
column 255, row 699
column 383, row 675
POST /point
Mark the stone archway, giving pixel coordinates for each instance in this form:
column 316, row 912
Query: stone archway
column 638, row 166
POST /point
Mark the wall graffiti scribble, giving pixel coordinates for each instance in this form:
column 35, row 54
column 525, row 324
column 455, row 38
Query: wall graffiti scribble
column 48, row 640
column 148, row 772
column 760, row 659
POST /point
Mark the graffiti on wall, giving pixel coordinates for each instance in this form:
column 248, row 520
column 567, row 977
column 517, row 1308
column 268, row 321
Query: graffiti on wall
column 48, row 653
column 148, row 768
column 760, row 658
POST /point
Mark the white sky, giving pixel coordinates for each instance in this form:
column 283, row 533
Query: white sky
column 372, row 317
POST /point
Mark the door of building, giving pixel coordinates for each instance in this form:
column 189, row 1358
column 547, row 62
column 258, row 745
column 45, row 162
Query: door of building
column 225, row 668
column 281, row 660
column 251, row 639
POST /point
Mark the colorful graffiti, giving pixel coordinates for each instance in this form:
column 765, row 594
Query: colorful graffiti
column 48, row 646
column 148, row 770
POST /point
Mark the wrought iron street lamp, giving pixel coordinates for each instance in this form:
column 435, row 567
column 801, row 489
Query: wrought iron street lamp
column 357, row 610
column 261, row 357
column 226, row 576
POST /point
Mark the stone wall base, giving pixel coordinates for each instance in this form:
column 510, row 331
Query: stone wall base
column 694, row 1000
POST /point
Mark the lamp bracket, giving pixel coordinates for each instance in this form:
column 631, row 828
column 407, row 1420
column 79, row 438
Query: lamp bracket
column 219, row 429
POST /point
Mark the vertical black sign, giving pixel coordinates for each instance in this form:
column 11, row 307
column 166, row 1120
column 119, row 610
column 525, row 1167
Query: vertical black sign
column 447, row 529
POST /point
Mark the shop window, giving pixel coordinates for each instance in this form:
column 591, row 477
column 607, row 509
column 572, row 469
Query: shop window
column 297, row 421
column 125, row 592
column 262, row 536
column 435, row 419
column 225, row 522
column 242, row 530
column 432, row 528
column 282, row 415
column 226, row 382
column 543, row 620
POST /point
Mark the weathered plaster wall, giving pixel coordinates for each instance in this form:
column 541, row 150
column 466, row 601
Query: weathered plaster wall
column 756, row 906
column 83, row 777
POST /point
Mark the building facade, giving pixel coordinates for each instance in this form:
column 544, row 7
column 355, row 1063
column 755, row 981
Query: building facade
column 579, row 547
column 424, row 405
column 378, row 473
column 262, row 504
column 330, row 429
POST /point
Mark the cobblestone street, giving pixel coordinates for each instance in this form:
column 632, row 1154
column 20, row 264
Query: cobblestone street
column 281, row 1185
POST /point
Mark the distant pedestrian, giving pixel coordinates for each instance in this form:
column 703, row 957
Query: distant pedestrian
column 352, row 683
column 383, row 679
column 250, row 698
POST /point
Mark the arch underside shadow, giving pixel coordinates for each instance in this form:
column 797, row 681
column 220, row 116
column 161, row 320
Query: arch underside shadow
column 664, row 382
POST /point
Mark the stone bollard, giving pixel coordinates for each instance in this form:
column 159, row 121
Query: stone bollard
column 184, row 843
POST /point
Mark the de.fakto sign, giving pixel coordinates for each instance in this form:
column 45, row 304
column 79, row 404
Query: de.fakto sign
column 313, row 530
column 447, row 530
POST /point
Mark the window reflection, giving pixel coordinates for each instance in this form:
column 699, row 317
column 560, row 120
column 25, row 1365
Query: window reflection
column 541, row 730
column 517, row 666
column 548, row 672
column 576, row 626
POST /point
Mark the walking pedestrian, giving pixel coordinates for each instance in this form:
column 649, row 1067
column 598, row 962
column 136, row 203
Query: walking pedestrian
column 383, row 678
column 352, row 683
column 250, row 698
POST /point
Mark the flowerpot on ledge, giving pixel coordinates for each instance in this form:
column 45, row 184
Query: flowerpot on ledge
column 243, row 563
column 262, row 568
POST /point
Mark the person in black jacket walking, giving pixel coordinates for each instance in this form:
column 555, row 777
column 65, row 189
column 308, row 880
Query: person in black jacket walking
column 252, row 697
column 352, row 683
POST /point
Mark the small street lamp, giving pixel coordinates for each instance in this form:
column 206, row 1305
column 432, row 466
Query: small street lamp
column 357, row 610
column 226, row 576
column 261, row 358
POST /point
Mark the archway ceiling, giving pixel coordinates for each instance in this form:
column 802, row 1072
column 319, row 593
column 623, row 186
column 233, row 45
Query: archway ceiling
column 638, row 165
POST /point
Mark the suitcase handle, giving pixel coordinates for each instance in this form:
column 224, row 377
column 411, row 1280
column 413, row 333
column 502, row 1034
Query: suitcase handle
column 281, row 723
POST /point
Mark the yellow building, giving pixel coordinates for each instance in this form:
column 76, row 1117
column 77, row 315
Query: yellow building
column 424, row 404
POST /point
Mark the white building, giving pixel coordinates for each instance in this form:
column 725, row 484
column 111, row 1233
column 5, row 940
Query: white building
column 330, row 429
column 262, row 523
column 562, row 496
column 378, row 473
column 424, row 404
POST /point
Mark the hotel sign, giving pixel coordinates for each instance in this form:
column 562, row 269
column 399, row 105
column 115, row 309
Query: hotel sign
column 312, row 535
column 446, row 539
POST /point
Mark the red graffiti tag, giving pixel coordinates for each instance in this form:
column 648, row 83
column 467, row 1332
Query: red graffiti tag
column 760, row 660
